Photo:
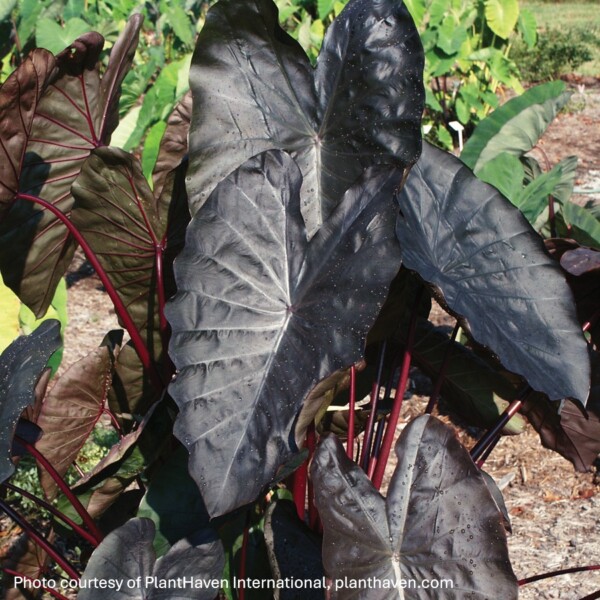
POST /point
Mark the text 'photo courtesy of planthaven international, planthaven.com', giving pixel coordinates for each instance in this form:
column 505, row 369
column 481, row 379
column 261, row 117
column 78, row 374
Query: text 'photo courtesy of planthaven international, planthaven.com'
column 293, row 227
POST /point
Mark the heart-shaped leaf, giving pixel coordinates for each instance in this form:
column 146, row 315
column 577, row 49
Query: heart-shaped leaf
column 74, row 115
column 490, row 268
column 70, row 412
column 439, row 522
column 254, row 90
column 21, row 366
column 502, row 16
column 126, row 556
column 262, row 315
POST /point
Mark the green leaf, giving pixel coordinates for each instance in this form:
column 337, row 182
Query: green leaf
column 584, row 226
column 6, row 7
column 515, row 127
column 152, row 147
column 74, row 8
column 324, row 7
column 527, row 27
column 51, row 36
column 417, row 10
column 181, row 24
column 451, row 35
column 502, row 16
column 505, row 172
column 127, row 125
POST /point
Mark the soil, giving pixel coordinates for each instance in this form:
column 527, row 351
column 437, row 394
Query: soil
column 555, row 511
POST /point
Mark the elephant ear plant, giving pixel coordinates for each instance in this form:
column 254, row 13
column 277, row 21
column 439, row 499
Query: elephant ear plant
column 305, row 216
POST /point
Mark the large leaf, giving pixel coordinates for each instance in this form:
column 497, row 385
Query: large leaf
column 262, row 315
column 439, row 522
column 21, row 366
column 74, row 115
column 187, row 572
column 516, row 126
column 502, row 16
column 490, row 268
column 19, row 97
column 70, row 412
column 254, row 89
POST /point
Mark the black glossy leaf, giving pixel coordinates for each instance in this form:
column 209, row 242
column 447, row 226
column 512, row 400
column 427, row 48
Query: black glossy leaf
column 262, row 315
column 489, row 267
column 471, row 386
column 21, row 366
column 439, row 522
column 294, row 551
column 126, row 556
column 254, row 90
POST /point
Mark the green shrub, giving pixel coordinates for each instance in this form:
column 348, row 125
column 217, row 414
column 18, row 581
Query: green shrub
column 556, row 53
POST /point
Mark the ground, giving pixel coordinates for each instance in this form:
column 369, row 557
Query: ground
column 555, row 512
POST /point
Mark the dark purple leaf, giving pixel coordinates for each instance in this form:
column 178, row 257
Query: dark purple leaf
column 581, row 261
column 19, row 96
column 21, row 366
column 174, row 143
column 439, row 521
column 70, row 412
column 566, row 427
column 294, row 551
column 262, row 315
column 489, row 267
column 254, row 90
column 72, row 117
column 126, row 555
column 117, row 213
column 474, row 389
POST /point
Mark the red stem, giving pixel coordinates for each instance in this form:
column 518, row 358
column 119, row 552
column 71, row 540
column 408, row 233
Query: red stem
column 48, row 590
column 435, row 394
column 299, row 489
column 64, row 488
column 42, row 542
column 313, row 515
column 390, row 431
column 556, row 573
column 368, row 437
column 120, row 307
column 491, row 436
column 41, row 503
column 350, row 442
